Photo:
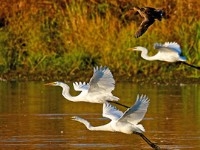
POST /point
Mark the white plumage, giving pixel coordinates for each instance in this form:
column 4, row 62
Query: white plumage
column 126, row 122
column 98, row 90
column 169, row 52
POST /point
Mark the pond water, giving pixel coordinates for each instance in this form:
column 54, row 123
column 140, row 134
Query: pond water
column 34, row 116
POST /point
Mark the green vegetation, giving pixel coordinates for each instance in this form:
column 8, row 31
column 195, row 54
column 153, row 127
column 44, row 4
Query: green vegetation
column 63, row 39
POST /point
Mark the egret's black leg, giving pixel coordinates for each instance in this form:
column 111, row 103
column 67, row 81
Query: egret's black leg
column 153, row 145
column 196, row 67
column 118, row 104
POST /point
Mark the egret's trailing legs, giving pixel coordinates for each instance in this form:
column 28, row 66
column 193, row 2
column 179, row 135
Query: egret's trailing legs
column 126, row 122
column 196, row 67
column 119, row 104
column 153, row 145
column 169, row 52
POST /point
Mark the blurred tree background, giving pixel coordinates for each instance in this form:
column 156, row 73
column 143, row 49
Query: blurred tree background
column 65, row 39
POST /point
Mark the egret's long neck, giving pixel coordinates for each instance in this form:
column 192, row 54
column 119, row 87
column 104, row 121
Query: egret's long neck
column 65, row 92
column 144, row 54
column 105, row 127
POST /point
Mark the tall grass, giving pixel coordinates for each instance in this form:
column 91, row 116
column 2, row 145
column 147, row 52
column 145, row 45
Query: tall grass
column 65, row 39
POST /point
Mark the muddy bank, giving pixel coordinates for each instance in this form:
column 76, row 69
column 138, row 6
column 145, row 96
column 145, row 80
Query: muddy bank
column 142, row 79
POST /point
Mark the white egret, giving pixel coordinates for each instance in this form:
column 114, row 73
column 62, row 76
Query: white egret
column 126, row 122
column 98, row 90
column 169, row 52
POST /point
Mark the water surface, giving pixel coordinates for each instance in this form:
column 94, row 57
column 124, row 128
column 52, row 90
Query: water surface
column 34, row 116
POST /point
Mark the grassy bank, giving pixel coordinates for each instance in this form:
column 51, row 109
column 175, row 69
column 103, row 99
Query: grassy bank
column 47, row 40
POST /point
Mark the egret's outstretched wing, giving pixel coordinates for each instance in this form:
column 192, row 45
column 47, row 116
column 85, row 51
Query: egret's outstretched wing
column 102, row 80
column 168, row 46
column 173, row 45
column 143, row 27
column 79, row 86
column 136, row 113
column 111, row 112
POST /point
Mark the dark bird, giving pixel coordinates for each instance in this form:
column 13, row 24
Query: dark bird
column 150, row 15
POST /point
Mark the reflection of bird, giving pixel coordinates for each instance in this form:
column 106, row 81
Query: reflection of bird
column 150, row 15
column 169, row 51
column 98, row 90
column 126, row 122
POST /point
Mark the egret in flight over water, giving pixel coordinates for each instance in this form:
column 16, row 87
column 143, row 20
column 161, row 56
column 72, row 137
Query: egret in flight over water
column 98, row 90
column 126, row 122
column 169, row 52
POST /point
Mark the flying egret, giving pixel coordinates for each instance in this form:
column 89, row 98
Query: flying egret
column 149, row 16
column 169, row 52
column 126, row 122
column 98, row 90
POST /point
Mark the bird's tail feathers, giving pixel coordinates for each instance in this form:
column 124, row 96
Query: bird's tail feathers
column 183, row 58
column 140, row 128
column 115, row 98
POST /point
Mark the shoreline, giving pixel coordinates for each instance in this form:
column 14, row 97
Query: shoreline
column 140, row 79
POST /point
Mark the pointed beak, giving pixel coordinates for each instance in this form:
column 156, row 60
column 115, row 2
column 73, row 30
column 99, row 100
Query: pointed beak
column 51, row 84
column 132, row 49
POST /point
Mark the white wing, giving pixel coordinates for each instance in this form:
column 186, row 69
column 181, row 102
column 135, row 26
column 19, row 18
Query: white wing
column 168, row 46
column 79, row 86
column 102, row 80
column 111, row 112
column 136, row 113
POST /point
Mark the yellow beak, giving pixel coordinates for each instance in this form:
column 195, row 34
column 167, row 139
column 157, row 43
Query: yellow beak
column 131, row 49
column 51, row 84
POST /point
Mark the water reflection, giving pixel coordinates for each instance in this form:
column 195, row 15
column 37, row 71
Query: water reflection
column 33, row 116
